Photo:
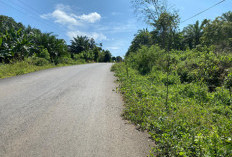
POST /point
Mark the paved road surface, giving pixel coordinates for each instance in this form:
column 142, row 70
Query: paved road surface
column 69, row 112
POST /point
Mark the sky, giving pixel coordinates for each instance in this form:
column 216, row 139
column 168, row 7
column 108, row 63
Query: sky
column 110, row 22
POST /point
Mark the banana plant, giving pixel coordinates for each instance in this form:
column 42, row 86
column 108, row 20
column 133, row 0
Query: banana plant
column 14, row 45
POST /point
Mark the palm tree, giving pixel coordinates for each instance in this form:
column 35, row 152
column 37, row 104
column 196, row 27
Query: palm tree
column 79, row 44
column 193, row 33
column 227, row 16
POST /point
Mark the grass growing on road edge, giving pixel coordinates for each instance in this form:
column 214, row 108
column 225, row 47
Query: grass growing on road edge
column 24, row 67
column 196, row 123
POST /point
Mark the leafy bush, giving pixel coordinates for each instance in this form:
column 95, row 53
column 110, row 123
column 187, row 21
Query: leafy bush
column 66, row 60
column 145, row 59
column 44, row 54
column 37, row 61
column 228, row 81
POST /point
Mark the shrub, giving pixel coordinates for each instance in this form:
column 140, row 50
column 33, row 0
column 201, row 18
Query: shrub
column 44, row 54
column 37, row 61
column 145, row 59
column 66, row 60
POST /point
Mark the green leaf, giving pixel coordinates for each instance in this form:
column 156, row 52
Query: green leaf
column 0, row 41
column 19, row 30
column 181, row 153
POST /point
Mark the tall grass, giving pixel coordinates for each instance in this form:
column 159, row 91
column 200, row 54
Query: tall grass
column 32, row 65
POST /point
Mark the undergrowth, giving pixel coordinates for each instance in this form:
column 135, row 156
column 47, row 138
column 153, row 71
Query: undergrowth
column 197, row 120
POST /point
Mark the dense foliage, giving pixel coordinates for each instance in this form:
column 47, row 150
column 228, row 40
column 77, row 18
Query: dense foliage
column 197, row 121
column 216, row 32
column 20, row 43
column 178, row 86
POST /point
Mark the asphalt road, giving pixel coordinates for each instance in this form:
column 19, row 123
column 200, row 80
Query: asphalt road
column 69, row 112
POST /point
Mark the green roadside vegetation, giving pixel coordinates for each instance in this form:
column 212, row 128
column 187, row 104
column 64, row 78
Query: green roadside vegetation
column 26, row 49
column 196, row 121
column 24, row 67
column 178, row 85
column 20, row 68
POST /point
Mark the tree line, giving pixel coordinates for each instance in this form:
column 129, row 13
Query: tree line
column 216, row 33
column 206, row 36
column 18, row 43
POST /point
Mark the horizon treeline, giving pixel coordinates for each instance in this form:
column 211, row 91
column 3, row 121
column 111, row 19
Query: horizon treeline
column 18, row 42
column 216, row 33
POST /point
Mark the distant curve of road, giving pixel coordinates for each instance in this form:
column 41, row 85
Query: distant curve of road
column 69, row 112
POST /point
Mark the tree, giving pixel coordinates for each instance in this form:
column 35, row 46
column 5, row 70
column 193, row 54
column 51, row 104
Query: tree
column 14, row 45
column 56, row 47
column 165, row 23
column 107, row 56
column 18, row 42
column 119, row 59
column 96, row 53
column 8, row 23
column 166, row 27
column 143, row 37
column 193, row 33
column 14, row 42
column 113, row 59
column 79, row 44
column 219, row 33
column 227, row 17
column 82, row 44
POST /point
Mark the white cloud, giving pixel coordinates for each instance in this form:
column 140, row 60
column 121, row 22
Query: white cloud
column 63, row 7
column 94, row 35
column 45, row 16
column 63, row 16
column 92, row 17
